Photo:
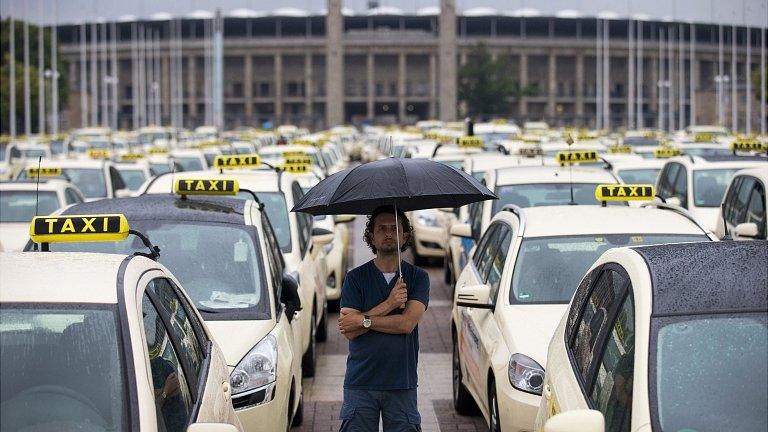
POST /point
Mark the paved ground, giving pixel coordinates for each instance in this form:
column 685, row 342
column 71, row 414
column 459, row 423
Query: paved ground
column 323, row 393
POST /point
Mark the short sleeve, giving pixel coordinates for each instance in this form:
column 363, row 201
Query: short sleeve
column 351, row 296
column 420, row 289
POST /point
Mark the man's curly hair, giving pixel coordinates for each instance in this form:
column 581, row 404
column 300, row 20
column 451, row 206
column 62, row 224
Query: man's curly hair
column 405, row 225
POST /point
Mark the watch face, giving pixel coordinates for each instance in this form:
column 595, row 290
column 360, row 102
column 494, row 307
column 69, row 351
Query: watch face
column 367, row 323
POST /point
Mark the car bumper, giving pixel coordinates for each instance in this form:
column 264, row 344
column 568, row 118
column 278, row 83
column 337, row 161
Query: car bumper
column 517, row 409
column 429, row 241
column 273, row 412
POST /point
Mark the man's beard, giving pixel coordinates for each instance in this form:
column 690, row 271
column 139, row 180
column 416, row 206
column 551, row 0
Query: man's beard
column 387, row 249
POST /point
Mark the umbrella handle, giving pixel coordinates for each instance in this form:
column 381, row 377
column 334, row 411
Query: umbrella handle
column 399, row 259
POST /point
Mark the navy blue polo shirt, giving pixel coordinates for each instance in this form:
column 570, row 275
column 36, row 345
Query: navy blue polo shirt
column 380, row 361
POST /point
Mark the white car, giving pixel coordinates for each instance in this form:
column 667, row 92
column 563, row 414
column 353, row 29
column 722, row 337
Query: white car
column 190, row 159
column 744, row 206
column 663, row 338
column 644, row 171
column 275, row 155
column 511, row 295
column 95, row 341
column 20, row 200
column 300, row 242
column 698, row 184
column 134, row 173
column 96, row 179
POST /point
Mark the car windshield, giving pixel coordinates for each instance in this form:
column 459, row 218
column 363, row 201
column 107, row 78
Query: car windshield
column 546, row 194
column 278, row 157
column 19, row 206
column 639, row 176
column 160, row 168
column 61, row 368
column 548, row 269
column 189, row 163
column 133, row 178
column 707, row 151
column 90, row 181
column 227, row 279
column 34, row 153
column 640, row 141
column 100, row 145
column 709, row 186
column 698, row 357
column 277, row 212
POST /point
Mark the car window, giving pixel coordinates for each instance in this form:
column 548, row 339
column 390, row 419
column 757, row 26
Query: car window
column 756, row 210
column 476, row 219
column 667, row 179
column 303, row 220
column 181, row 329
column 577, row 304
column 595, row 318
column 731, row 195
column 71, row 196
column 116, row 178
column 612, row 391
column 482, row 244
column 488, row 251
column 273, row 261
column 169, row 383
column 497, row 264
column 741, row 200
column 22, row 206
column 680, row 189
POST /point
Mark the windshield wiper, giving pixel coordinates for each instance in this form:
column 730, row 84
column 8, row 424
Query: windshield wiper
column 208, row 310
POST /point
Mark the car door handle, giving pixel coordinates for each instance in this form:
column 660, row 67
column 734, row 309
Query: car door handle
column 547, row 392
column 225, row 388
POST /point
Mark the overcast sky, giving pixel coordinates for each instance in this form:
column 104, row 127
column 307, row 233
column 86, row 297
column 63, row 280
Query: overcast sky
column 749, row 12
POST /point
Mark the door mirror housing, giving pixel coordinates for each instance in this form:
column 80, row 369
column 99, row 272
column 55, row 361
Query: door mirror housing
column 461, row 230
column 124, row 193
column 321, row 236
column 343, row 218
column 746, row 230
column 476, row 296
column 211, row 427
column 584, row 420
column 674, row 201
column 289, row 295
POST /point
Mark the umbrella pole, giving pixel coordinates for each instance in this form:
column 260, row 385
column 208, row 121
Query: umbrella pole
column 399, row 259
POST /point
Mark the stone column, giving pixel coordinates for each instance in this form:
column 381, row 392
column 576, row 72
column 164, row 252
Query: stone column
column 279, row 88
column 523, row 102
column 334, row 62
column 433, row 80
column 165, row 89
column 371, row 62
column 654, row 87
column 447, row 46
column 308, row 84
column 579, row 85
column 191, row 89
column 401, row 88
column 248, row 88
column 551, row 84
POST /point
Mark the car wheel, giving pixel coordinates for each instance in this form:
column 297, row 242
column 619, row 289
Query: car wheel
column 298, row 418
column 322, row 328
column 493, row 409
column 310, row 356
column 462, row 400
column 448, row 277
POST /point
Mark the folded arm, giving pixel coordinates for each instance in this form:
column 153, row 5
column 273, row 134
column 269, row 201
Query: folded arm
column 351, row 320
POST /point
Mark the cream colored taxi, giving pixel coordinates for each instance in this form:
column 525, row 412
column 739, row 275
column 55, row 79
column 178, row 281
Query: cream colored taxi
column 99, row 341
column 300, row 242
column 224, row 252
column 663, row 338
column 96, row 179
column 511, row 295
column 744, row 206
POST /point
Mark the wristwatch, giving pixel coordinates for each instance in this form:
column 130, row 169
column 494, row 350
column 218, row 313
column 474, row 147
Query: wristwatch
column 366, row 322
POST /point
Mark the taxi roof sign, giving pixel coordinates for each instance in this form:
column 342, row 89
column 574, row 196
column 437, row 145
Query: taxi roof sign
column 157, row 151
column 131, row 156
column 78, row 228
column 620, row 149
column 206, row 186
column 470, row 141
column 98, row 154
column 576, row 156
column 294, row 153
column 237, row 161
column 625, row 192
column 297, row 160
column 748, row 145
column 666, row 152
column 32, row 172
column 296, row 168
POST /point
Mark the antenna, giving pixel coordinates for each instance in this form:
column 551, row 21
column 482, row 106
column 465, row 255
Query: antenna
column 569, row 141
column 37, row 184
column 726, row 236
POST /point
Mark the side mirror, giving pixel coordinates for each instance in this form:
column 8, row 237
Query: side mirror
column 584, row 420
column 476, row 296
column 211, row 427
column 289, row 295
column 343, row 218
column 461, row 230
column 674, row 201
column 321, row 236
column 745, row 230
column 123, row 193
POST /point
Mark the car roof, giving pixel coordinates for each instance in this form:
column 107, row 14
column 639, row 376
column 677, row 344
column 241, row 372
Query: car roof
column 552, row 174
column 760, row 173
column 707, row 162
column 30, row 185
column 595, row 219
column 289, row 147
column 707, row 277
column 59, row 277
column 262, row 180
column 638, row 164
column 169, row 207
column 70, row 163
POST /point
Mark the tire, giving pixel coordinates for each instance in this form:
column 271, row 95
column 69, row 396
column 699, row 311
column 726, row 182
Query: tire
column 448, row 274
column 322, row 328
column 334, row 305
column 310, row 356
column 298, row 418
column 463, row 402
column 493, row 408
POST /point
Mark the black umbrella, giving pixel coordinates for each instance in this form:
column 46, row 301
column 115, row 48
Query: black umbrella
column 406, row 184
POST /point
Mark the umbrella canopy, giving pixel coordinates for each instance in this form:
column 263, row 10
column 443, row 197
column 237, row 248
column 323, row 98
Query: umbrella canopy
column 408, row 184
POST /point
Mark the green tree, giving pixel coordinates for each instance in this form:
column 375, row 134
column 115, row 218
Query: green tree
column 5, row 75
column 486, row 85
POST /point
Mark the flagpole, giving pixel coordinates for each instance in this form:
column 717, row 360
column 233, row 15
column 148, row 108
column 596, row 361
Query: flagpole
column 54, row 71
column 12, row 83
column 27, row 92
column 40, row 72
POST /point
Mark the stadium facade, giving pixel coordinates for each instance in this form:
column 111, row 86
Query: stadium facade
column 388, row 67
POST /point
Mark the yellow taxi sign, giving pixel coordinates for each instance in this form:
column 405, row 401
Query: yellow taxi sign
column 98, row 154
column 294, row 153
column 157, row 151
column 131, row 156
column 296, row 168
column 747, row 145
column 78, row 228
column 302, row 141
column 620, row 149
column 33, row 172
column 431, row 135
column 666, row 152
column 206, row 187
column 703, row 137
column 470, row 141
column 531, row 151
column 576, row 156
column 624, row 192
column 297, row 160
column 237, row 161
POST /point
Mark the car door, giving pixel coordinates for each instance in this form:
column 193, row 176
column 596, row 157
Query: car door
column 198, row 365
column 756, row 210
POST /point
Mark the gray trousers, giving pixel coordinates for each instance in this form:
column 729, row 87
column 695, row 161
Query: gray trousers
column 362, row 409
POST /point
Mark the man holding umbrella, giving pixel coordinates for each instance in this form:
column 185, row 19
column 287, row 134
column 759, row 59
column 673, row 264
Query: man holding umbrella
column 383, row 300
column 380, row 312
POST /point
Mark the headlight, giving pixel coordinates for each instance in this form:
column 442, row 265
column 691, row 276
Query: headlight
column 257, row 369
column 426, row 219
column 525, row 374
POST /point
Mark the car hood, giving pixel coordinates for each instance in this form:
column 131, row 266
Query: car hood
column 236, row 338
column 14, row 236
column 527, row 329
